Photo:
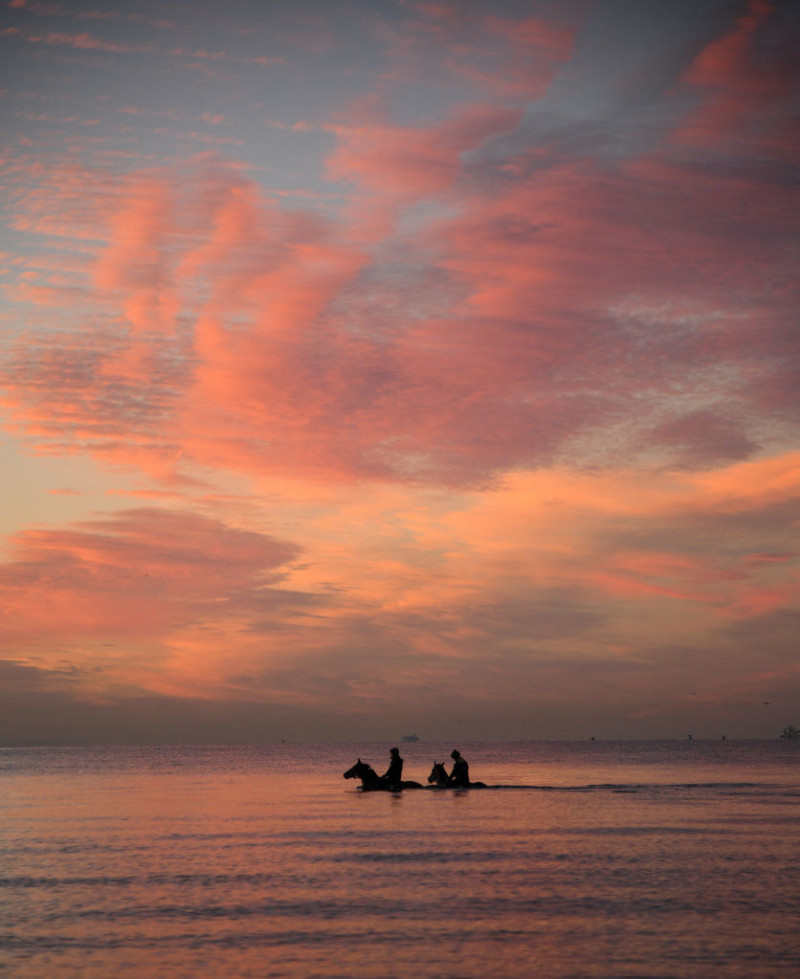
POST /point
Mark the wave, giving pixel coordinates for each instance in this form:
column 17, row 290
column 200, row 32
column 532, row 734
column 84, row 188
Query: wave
column 766, row 788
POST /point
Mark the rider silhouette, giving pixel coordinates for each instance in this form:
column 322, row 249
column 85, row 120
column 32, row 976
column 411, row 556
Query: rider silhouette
column 459, row 777
column 394, row 773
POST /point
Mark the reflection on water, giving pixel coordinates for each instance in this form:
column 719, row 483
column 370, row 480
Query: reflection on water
column 600, row 861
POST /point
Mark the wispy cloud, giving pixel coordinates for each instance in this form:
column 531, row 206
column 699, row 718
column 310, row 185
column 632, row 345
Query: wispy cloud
column 556, row 305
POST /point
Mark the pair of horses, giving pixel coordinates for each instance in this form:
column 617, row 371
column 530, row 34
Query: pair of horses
column 371, row 781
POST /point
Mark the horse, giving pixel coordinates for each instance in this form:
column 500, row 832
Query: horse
column 441, row 780
column 372, row 782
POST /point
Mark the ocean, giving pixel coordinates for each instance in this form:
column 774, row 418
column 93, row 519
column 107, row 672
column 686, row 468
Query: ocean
column 592, row 859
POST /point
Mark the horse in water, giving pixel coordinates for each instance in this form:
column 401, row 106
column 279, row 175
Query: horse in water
column 371, row 781
column 441, row 780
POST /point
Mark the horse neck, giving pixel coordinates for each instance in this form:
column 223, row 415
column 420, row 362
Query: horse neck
column 369, row 776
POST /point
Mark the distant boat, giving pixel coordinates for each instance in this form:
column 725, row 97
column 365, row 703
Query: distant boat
column 409, row 737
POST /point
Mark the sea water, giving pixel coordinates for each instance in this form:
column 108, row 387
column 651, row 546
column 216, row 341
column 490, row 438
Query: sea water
column 595, row 859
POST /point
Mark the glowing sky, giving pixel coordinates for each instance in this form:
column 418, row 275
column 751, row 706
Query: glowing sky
column 383, row 366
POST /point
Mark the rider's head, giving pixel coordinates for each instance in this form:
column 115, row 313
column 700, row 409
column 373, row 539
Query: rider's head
column 455, row 753
column 394, row 751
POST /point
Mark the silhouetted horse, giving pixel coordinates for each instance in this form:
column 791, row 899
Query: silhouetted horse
column 441, row 780
column 371, row 781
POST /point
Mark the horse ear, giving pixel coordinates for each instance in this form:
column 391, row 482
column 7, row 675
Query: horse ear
column 359, row 761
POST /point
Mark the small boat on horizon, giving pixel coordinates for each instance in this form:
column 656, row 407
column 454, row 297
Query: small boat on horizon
column 409, row 737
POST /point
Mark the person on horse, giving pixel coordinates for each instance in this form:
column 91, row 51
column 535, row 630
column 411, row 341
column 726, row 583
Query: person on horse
column 394, row 773
column 459, row 777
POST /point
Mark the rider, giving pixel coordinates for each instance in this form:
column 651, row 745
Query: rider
column 394, row 773
column 459, row 777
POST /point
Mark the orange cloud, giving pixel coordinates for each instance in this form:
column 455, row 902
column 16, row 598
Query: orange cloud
column 136, row 579
column 692, row 540
column 544, row 580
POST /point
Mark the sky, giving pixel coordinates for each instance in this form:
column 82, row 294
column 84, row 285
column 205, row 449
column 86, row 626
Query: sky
column 371, row 367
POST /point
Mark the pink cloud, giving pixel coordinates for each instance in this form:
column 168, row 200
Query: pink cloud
column 469, row 311
column 87, row 42
column 138, row 575
column 523, row 65
column 507, row 57
column 412, row 161
column 482, row 297
column 740, row 83
column 137, row 262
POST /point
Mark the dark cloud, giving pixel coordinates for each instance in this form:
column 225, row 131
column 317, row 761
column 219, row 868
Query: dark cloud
column 19, row 676
column 704, row 439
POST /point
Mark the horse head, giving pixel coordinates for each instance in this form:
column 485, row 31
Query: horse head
column 355, row 771
column 365, row 772
column 438, row 774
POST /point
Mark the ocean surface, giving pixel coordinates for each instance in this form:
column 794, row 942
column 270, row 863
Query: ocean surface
column 594, row 859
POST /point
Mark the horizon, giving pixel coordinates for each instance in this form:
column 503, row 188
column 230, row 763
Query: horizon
column 463, row 743
column 400, row 743
column 399, row 365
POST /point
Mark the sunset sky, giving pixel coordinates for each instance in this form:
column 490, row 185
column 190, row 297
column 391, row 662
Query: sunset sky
column 382, row 366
